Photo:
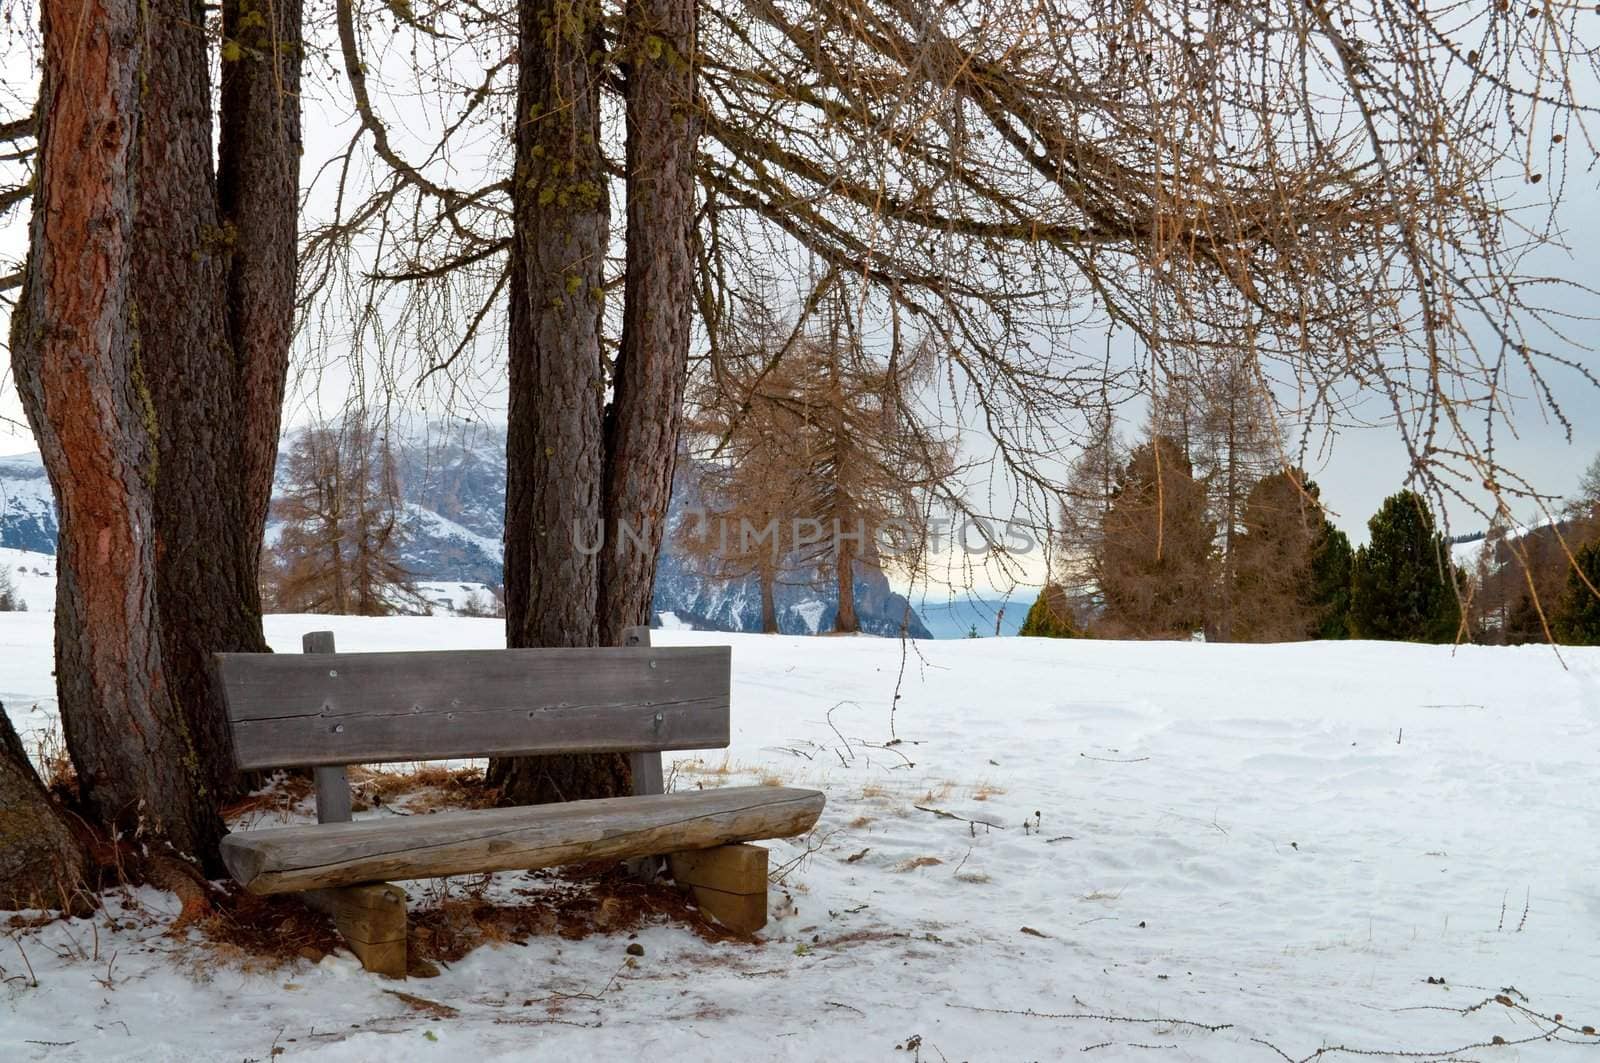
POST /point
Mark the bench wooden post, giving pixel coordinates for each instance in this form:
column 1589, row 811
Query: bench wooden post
column 647, row 776
column 729, row 883
column 333, row 785
column 371, row 918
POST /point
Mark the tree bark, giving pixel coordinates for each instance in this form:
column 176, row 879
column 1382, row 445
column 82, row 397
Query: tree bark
column 769, row 601
column 845, row 619
column 554, row 453
column 258, row 195
column 77, row 359
column 646, row 413
column 208, row 560
column 42, row 864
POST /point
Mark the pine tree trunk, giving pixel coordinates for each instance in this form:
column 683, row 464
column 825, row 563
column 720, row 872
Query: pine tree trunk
column 658, row 39
column 553, row 443
column 41, row 862
column 76, row 353
column 258, row 195
column 208, row 569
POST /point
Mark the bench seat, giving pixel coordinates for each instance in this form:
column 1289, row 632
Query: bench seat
column 318, row 856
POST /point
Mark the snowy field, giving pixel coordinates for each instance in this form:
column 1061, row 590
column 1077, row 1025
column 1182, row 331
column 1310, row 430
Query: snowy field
column 1247, row 853
column 34, row 576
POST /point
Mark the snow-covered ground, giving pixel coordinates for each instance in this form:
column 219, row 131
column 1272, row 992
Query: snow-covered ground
column 1247, row 853
column 34, row 575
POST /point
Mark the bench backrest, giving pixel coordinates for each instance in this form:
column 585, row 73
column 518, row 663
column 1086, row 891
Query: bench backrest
column 291, row 710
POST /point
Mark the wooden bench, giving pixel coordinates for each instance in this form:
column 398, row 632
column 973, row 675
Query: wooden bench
column 327, row 710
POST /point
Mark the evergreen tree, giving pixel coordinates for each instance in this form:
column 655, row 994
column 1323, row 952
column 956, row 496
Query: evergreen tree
column 1331, row 564
column 1154, row 566
column 11, row 600
column 1577, row 616
column 1051, row 616
column 1402, row 584
column 1274, row 575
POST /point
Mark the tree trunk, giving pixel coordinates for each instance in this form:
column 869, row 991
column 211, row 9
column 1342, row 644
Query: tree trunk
column 77, row 358
column 845, row 619
column 554, row 457
column 208, row 574
column 658, row 39
column 258, row 195
column 769, row 601
column 41, row 863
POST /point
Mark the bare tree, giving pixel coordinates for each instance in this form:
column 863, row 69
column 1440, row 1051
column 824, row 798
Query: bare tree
column 1323, row 208
column 338, row 547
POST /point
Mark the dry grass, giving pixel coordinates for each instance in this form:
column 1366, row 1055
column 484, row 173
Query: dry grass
column 939, row 792
column 770, row 778
column 985, row 790
column 700, row 767
column 278, row 797
column 422, row 788
column 860, row 823
column 915, row 863
column 873, row 790
column 571, row 903
column 260, row 934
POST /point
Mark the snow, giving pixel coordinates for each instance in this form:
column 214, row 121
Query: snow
column 426, row 521
column 1284, row 841
column 453, row 595
column 33, row 575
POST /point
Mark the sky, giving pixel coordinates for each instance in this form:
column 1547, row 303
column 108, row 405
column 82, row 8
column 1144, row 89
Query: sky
column 1362, row 466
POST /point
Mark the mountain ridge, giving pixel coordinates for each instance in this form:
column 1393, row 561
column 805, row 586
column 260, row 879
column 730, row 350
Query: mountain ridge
column 452, row 479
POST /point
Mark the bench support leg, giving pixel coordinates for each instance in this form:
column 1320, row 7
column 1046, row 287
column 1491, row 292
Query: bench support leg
column 729, row 883
column 372, row 921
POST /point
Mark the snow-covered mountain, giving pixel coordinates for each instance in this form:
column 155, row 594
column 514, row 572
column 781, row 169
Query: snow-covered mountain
column 453, row 485
column 27, row 508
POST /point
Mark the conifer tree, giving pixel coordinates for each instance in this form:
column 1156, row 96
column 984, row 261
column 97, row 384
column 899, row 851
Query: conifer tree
column 1577, row 614
column 1273, row 576
column 1403, row 582
column 1331, row 562
column 11, row 600
column 1050, row 616
column 1154, row 566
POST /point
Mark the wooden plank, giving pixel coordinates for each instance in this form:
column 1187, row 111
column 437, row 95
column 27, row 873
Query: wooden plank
column 284, row 859
column 333, row 784
column 372, row 920
column 353, row 708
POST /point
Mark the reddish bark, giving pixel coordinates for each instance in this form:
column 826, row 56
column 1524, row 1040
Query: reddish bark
column 77, row 360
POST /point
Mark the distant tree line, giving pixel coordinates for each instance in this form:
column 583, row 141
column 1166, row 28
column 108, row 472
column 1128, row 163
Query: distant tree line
column 1193, row 531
